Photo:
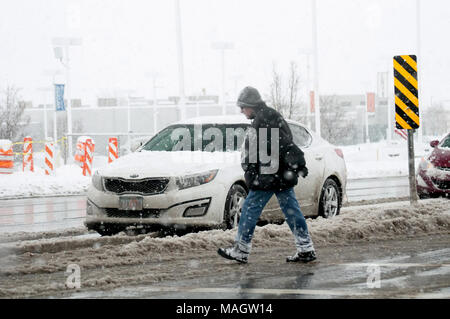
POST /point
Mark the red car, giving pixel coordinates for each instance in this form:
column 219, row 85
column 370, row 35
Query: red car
column 433, row 175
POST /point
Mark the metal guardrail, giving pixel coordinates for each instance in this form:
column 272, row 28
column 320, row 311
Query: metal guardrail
column 374, row 188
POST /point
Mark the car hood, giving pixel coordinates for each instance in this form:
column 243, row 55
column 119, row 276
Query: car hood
column 167, row 164
column 440, row 157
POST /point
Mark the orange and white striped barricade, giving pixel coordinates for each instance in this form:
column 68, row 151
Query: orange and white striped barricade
column 6, row 157
column 89, row 156
column 80, row 151
column 49, row 157
column 27, row 153
column 113, row 149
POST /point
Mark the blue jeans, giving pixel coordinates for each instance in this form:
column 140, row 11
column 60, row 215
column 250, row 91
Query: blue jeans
column 252, row 209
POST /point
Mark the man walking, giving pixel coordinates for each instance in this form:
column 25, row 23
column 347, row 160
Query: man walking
column 264, row 179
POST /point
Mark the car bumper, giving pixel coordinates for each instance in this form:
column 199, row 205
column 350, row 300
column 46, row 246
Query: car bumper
column 432, row 183
column 197, row 206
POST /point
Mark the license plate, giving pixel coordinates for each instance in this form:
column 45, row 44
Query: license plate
column 130, row 203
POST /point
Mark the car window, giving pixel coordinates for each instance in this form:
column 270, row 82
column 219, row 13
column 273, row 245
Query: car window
column 209, row 132
column 300, row 135
column 445, row 142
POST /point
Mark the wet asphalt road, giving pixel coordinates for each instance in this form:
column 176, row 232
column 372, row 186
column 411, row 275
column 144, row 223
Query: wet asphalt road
column 405, row 268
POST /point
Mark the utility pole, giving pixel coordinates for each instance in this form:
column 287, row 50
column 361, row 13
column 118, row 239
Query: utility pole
column 155, row 106
column 316, row 67
column 419, row 58
column 222, row 46
column 307, row 52
column 366, row 119
column 45, row 91
column 53, row 73
column 66, row 43
column 182, row 101
column 154, row 75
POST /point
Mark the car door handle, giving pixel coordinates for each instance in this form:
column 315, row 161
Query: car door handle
column 318, row 157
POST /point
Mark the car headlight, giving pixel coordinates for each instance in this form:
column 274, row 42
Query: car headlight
column 196, row 179
column 425, row 164
column 97, row 181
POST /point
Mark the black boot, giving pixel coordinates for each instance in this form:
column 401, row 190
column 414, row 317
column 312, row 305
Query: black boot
column 303, row 257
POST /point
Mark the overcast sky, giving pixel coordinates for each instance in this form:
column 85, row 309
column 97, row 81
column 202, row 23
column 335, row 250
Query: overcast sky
column 125, row 41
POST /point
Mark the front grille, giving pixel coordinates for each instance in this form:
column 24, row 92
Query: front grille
column 440, row 183
column 447, row 169
column 148, row 186
column 146, row 213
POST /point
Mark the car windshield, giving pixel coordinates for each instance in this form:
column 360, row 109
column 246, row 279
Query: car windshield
column 204, row 137
column 446, row 142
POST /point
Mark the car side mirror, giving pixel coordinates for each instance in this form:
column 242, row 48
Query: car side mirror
column 135, row 146
column 434, row 143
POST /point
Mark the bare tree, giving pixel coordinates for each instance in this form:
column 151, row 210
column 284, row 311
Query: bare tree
column 12, row 119
column 286, row 99
column 336, row 127
column 276, row 95
column 293, row 87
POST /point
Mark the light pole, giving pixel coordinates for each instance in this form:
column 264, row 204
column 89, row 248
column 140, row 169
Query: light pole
column 129, row 131
column 65, row 43
column 44, row 91
column 182, row 101
column 53, row 74
column 154, row 76
column 308, row 53
column 316, row 68
column 236, row 78
column 419, row 61
column 222, row 46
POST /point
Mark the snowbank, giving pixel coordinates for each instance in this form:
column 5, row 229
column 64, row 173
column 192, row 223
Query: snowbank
column 382, row 221
column 66, row 180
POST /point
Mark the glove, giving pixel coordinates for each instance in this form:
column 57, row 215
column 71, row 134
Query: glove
column 304, row 172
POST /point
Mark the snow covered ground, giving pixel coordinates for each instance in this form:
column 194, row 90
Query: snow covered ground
column 121, row 260
column 363, row 161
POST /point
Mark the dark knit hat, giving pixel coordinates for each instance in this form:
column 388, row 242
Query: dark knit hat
column 249, row 97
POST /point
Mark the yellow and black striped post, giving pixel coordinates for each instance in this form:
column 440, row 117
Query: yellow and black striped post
column 407, row 109
column 406, row 92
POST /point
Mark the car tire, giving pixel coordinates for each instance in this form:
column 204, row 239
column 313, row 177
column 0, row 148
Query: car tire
column 107, row 229
column 233, row 206
column 424, row 196
column 330, row 199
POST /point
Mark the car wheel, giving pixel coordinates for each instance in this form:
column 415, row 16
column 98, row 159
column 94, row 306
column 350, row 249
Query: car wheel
column 233, row 206
column 329, row 204
column 107, row 229
column 424, row 196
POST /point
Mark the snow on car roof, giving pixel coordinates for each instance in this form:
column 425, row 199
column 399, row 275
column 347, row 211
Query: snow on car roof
column 219, row 119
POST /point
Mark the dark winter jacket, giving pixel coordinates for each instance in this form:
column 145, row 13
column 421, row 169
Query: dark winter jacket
column 289, row 163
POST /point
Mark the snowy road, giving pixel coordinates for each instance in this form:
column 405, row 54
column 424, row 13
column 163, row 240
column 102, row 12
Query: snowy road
column 56, row 213
column 409, row 247
column 359, row 270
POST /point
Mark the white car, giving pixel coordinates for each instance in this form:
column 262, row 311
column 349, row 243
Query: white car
column 156, row 186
